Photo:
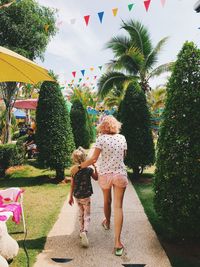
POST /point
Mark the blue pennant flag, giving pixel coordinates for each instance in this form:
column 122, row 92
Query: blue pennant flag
column 101, row 14
column 83, row 72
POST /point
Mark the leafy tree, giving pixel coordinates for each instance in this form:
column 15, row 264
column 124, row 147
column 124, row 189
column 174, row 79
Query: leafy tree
column 54, row 134
column 134, row 58
column 135, row 118
column 156, row 101
column 88, row 99
column 80, row 125
column 177, row 183
column 23, row 29
column 156, row 98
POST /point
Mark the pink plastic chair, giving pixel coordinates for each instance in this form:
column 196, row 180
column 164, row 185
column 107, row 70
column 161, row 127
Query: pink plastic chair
column 11, row 203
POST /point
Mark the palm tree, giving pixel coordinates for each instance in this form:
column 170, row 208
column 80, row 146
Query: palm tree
column 113, row 99
column 156, row 98
column 86, row 96
column 134, row 58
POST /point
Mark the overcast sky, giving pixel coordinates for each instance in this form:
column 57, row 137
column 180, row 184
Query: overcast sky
column 77, row 47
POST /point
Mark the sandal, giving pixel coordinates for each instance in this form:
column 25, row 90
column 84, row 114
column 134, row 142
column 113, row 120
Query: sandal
column 105, row 225
column 119, row 251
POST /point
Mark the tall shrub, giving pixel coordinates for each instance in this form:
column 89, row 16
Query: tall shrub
column 54, row 134
column 80, row 125
column 135, row 118
column 177, row 179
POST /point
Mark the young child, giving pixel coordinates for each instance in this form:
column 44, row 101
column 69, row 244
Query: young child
column 81, row 189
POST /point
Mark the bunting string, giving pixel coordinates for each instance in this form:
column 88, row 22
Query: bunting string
column 101, row 14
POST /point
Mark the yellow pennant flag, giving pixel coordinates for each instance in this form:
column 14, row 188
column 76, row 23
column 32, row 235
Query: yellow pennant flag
column 92, row 68
column 87, row 78
column 115, row 10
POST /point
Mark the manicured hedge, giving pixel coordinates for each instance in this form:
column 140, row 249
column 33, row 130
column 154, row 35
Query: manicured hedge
column 10, row 155
column 135, row 118
column 177, row 178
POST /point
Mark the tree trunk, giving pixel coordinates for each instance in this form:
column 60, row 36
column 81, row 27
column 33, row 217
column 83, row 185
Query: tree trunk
column 60, row 175
column 9, row 93
column 7, row 133
column 136, row 172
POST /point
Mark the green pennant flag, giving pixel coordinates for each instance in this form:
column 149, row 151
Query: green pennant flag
column 80, row 80
column 130, row 6
column 100, row 67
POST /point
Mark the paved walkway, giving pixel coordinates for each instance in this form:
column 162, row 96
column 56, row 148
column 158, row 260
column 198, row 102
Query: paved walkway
column 141, row 243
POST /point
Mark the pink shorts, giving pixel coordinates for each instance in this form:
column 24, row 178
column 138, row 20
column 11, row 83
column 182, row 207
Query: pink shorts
column 106, row 181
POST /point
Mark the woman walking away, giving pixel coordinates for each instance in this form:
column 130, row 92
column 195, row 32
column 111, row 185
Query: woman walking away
column 81, row 189
column 112, row 173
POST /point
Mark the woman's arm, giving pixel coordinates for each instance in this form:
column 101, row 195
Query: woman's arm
column 93, row 159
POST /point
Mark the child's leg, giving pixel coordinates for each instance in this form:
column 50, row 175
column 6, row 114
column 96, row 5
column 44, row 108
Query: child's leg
column 81, row 214
column 86, row 207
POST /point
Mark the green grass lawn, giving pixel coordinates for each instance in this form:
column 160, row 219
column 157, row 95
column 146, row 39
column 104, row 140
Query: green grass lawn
column 181, row 253
column 42, row 204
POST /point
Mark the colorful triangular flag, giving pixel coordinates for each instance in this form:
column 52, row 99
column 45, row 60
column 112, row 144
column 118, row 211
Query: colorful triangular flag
column 74, row 73
column 101, row 14
column 130, row 6
column 83, row 72
column 163, row 2
column 95, row 77
column 87, row 78
column 92, row 68
column 80, row 80
column 100, row 67
column 87, row 18
column 147, row 4
column 115, row 10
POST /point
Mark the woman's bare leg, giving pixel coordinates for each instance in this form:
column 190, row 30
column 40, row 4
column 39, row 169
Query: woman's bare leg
column 118, row 214
column 107, row 204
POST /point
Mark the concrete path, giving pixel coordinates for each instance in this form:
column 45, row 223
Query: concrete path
column 138, row 237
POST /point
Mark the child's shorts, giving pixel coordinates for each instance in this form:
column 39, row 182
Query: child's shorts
column 106, row 181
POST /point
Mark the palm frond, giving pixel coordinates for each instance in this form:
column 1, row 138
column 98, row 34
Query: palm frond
column 152, row 58
column 161, row 69
column 140, row 36
column 119, row 45
column 110, row 80
column 114, row 65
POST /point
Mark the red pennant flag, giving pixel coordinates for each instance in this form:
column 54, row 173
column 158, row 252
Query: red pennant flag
column 147, row 4
column 74, row 73
column 95, row 77
column 87, row 18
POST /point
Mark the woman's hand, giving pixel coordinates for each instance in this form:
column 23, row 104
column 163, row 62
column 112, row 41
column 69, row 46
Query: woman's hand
column 74, row 170
column 71, row 201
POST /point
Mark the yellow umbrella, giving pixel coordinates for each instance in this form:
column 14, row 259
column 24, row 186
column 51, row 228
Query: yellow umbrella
column 16, row 68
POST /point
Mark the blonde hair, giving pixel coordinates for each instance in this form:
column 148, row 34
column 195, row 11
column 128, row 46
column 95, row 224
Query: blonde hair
column 109, row 125
column 79, row 155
